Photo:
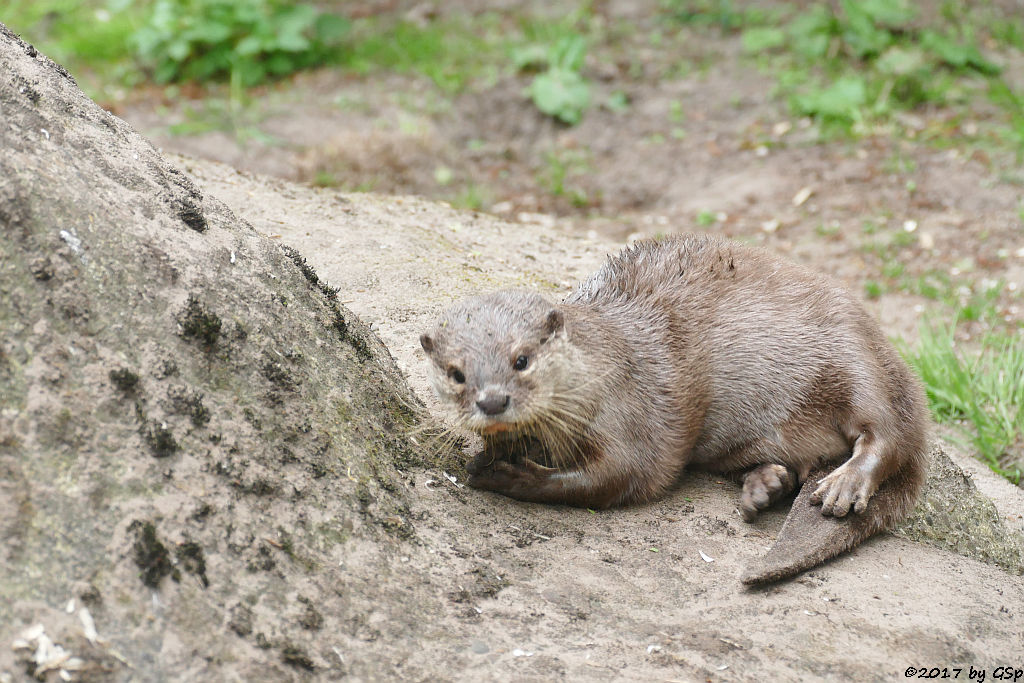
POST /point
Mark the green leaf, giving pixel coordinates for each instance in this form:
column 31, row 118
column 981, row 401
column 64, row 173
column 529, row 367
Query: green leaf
column 292, row 42
column 295, row 21
column 561, row 93
column 763, row 38
column 178, row 50
column 278, row 64
column 617, row 102
column 250, row 72
column 530, row 57
column 568, row 53
column 863, row 35
column 888, row 13
column 207, row 39
column 842, row 99
column 249, row 45
column 898, row 61
column 810, row 32
column 957, row 55
column 209, row 32
column 165, row 72
column 331, row 28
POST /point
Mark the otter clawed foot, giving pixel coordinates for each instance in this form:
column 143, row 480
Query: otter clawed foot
column 494, row 475
column 763, row 486
column 514, row 479
column 481, row 461
column 846, row 487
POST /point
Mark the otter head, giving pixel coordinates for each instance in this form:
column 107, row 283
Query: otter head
column 496, row 360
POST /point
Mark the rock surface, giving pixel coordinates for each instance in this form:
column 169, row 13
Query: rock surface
column 195, row 435
column 207, row 470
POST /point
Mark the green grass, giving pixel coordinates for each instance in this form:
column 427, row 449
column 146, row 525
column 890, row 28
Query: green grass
column 979, row 389
column 706, row 217
column 473, row 197
column 959, row 293
column 852, row 65
column 459, row 50
column 561, row 168
column 89, row 38
column 560, row 90
column 725, row 15
column 980, row 393
column 451, row 53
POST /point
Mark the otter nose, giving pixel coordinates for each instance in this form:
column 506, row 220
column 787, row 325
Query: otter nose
column 493, row 404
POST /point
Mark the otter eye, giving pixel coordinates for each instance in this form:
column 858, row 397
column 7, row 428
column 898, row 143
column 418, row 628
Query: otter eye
column 521, row 363
column 456, row 375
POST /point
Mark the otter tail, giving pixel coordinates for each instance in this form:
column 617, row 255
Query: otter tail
column 808, row 538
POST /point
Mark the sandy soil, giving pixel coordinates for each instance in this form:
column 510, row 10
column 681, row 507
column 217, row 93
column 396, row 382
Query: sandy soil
column 553, row 592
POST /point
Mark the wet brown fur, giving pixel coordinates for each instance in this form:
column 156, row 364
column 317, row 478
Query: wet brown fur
column 690, row 351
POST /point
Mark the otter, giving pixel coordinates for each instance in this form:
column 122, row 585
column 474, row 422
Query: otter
column 691, row 351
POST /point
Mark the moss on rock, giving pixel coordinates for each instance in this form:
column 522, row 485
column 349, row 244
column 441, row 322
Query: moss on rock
column 953, row 515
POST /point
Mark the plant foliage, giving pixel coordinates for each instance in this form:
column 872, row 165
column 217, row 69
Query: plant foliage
column 848, row 61
column 248, row 41
column 560, row 90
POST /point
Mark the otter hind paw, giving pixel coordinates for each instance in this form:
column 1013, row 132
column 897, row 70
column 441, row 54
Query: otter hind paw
column 763, row 486
column 847, row 487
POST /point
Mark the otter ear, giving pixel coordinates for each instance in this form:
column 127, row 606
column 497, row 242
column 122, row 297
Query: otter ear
column 427, row 342
column 554, row 321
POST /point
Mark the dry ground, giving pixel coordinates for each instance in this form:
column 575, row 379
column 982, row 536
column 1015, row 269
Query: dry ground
column 703, row 134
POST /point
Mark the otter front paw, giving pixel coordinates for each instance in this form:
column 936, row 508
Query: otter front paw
column 522, row 479
column 763, row 486
column 848, row 486
column 482, row 461
column 500, row 476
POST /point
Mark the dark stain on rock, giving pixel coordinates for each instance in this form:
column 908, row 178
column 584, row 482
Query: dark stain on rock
column 191, row 214
column 125, row 380
column 241, row 620
column 198, row 323
column 278, row 375
column 293, row 655
column 165, row 368
column 184, row 401
column 181, row 195
column 330, row 294
column 160, row 439
column 42, row 269
column 202, row 512
column 190, row 557
column 310, row 619
column 262, row 562
column 150, row 555
column 258, row 487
